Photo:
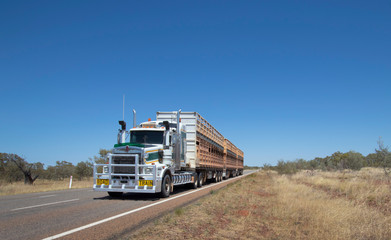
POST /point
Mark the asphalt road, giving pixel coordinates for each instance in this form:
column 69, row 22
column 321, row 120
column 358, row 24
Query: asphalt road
column 85, row 214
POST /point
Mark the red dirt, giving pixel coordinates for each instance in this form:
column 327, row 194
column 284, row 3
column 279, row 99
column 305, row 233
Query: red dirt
column 243, row 213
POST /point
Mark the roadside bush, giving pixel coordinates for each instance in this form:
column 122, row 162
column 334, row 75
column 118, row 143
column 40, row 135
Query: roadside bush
column 286, row 167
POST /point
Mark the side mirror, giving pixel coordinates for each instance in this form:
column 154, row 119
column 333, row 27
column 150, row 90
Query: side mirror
column 123, row 124
column 160, row 153
column 167, row 125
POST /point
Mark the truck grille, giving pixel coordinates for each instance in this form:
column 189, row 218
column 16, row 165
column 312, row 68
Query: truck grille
column 124, row 160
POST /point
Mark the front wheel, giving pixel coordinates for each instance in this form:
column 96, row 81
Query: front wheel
column 166, row 186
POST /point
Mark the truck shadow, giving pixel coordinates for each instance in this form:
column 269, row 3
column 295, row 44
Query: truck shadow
column 145, row 196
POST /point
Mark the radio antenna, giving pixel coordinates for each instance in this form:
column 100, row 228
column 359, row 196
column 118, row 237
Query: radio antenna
column 123, row 108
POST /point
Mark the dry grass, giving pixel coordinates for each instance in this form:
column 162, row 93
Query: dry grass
column 310, row 213
column 41, row 185
column 269, row 206
column 368, row 186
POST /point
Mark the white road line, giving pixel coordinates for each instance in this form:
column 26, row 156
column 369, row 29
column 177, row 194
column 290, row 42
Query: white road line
column 135, row 210
column 46, row 204
column 47, row 196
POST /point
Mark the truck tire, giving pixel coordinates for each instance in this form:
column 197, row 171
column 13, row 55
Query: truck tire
column 194, row 184
column 216, row 178
column 115, row 194
column 166, row 186
column 200, row 181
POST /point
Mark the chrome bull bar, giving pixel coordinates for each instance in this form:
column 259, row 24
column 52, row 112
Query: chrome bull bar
column 131, row 181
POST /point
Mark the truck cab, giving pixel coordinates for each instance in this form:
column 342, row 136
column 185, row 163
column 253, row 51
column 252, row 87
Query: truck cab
column 146, row 159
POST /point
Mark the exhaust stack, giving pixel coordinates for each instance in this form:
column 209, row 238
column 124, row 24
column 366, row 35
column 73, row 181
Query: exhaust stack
column 178, row 118
column 134, row 118
column 178, row 146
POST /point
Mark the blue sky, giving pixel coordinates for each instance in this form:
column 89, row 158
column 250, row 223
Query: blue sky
column 280, row 79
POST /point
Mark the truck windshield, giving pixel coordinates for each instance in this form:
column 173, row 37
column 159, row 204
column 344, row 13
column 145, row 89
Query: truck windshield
column 146, row 137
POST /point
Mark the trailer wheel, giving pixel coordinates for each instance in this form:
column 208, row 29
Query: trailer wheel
column 194, row 184
column 216, row 178
column 220, row 176
column 200, row 179
column 166, row 186
column 115, row 194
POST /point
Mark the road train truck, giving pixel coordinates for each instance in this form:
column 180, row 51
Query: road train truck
column 177, row 148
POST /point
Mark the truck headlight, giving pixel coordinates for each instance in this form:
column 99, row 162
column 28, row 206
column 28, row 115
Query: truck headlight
column 105, row 169
column 148, row 170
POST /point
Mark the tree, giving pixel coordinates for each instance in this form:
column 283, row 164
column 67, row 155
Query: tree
column 352, row 160
column 9, row 172
column 302, row 164
column 372, row 160
column 101, row 159
column 30, row 170
column 286, row 167
column 84, row 169
column 384, row 157
column 315, row 163
column 50, row 173
column 64, row 169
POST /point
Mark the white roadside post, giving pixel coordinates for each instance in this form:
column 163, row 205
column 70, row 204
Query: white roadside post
column 70, row 183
